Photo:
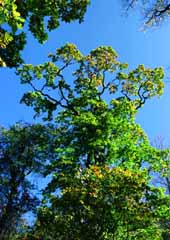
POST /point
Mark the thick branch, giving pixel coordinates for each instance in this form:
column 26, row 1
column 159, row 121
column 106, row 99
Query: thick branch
column 55, row 101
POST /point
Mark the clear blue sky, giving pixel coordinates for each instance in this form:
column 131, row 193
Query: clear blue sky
column 104, row 24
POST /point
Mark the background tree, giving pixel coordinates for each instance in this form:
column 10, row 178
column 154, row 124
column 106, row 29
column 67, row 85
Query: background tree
column 39, row 16
column 154, row 11
column 163, row 181
column 24, row 149
column 99, row 147
column 159, row 143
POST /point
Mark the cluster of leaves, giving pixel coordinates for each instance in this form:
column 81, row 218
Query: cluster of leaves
column 41, row 16
column 101, row 185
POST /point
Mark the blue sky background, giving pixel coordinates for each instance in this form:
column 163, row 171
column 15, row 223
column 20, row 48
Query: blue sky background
column 104, row 24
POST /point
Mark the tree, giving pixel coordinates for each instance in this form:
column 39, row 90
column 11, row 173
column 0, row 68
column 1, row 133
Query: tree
column 23, row 151
column 40, row 16
column 154, row 11
column 101, row 186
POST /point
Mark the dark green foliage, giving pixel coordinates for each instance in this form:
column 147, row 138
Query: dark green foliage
column 24, row 150
column 13, row 57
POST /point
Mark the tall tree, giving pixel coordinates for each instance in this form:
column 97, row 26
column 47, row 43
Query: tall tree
column 39, row 16
column 24, row 149
column 100, row 187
